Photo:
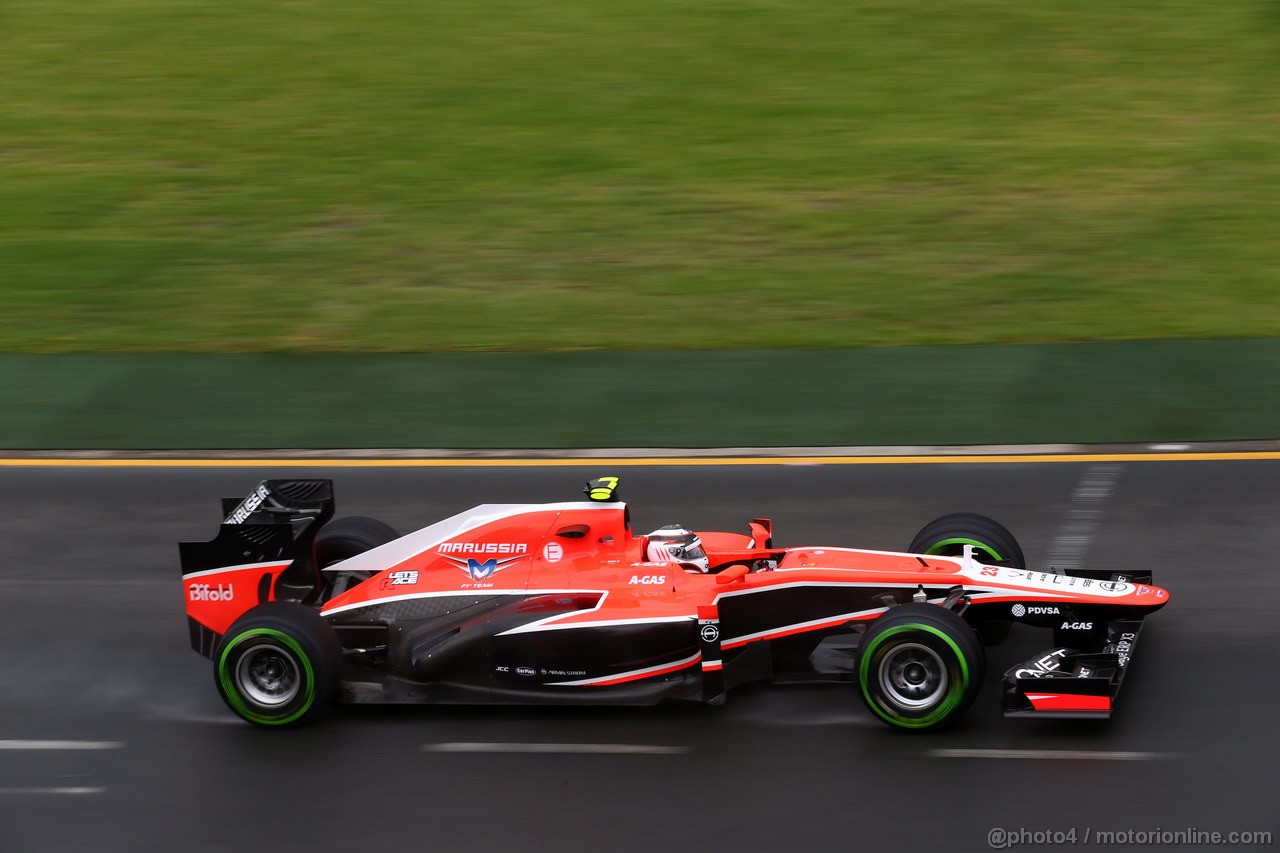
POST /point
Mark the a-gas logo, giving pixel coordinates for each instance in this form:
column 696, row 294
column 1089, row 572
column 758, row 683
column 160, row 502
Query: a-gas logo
column 648, row 579
column 206, row 592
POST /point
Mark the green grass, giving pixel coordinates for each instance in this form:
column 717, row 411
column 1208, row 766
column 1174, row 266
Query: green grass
column 296, row 175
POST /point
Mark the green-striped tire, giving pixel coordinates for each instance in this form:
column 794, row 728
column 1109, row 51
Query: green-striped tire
column 278, row 665
column 919, row 667
column 948, row 535
column 993, row 545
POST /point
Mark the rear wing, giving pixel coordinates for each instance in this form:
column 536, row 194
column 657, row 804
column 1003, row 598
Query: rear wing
column 264, row 551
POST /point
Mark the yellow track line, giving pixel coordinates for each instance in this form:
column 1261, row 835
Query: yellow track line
column 633, row 462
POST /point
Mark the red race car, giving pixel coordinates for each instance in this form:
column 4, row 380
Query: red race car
column 562, row 603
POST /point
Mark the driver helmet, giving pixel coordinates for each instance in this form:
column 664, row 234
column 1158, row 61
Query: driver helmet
column 676, row 544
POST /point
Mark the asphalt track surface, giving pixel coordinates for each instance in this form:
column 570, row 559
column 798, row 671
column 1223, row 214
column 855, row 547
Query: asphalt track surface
column 95, row 650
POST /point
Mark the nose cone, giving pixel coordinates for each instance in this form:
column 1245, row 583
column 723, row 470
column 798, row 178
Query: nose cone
column 1151, row 597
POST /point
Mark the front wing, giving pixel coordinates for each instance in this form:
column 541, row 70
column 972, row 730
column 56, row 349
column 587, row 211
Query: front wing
column 1068, row 682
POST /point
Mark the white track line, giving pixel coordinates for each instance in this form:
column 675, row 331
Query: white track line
column 559, row 748
column 61, row 744
column 1053, row 754
column 1084, row 517
column 18, row 791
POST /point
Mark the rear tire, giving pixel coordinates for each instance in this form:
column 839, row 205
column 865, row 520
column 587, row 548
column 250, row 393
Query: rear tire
column 338, row 540
column 279, row 665
column 919, row 667
column 345, row 538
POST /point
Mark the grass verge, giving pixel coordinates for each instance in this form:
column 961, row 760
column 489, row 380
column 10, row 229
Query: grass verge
column 323, row 175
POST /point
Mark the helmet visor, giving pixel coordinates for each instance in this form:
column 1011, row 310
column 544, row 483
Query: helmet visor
column 691, row 552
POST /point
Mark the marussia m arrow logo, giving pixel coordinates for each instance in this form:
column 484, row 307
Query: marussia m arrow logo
column 481, row 570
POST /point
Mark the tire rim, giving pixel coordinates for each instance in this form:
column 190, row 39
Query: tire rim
column 954, row 547
column 268, row 675
column 913, row 676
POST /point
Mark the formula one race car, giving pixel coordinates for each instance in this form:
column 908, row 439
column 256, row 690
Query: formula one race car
column 562, row 603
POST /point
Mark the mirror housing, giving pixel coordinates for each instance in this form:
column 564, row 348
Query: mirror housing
column 734, row 573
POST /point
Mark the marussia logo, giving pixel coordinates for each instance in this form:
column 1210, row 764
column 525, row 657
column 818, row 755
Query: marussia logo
column 480, row 570
column 517, row 548
column 248, row 506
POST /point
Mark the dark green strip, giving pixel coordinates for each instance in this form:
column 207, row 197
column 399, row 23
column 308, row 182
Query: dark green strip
column 1137, row 391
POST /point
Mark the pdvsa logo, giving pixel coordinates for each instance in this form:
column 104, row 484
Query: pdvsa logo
column 206, row 592
column 1019, row 611
column 648, row 579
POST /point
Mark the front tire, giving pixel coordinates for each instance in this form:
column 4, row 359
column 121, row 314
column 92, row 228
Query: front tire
column 993, row 545
column 279, row 665
column 919, row 667
column 947, row 536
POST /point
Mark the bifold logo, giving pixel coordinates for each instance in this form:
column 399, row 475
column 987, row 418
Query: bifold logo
column 205, row 592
